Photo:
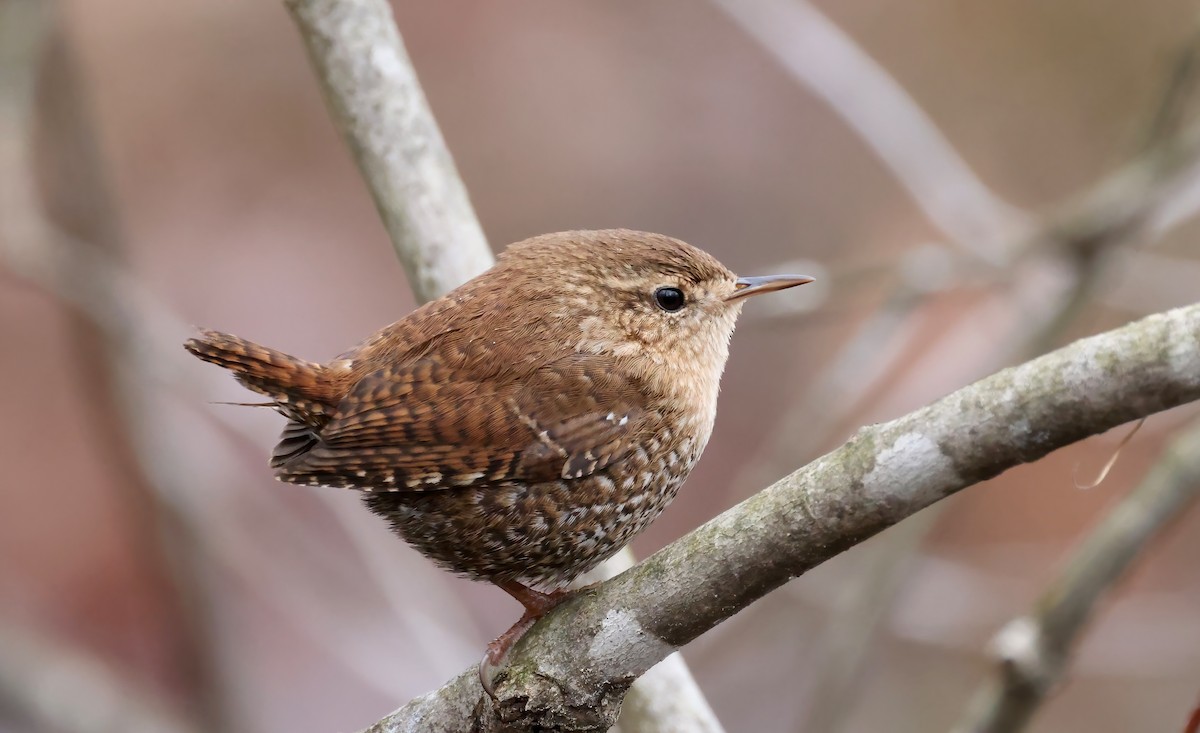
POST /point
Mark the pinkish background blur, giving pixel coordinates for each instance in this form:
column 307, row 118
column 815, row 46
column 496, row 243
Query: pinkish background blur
column 240, row 209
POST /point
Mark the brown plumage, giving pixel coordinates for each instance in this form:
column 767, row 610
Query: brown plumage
column 524, row 427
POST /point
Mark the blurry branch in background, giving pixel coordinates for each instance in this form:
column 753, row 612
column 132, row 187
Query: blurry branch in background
column 820, row 55
column 1164, row 183
column 1144, row 199
column 74, row 195
column 855, row 616
column 112, row 296
column 66, row 162
column 1147, row 196
column 571, row 669
column 1032, row 651
column 1140, row 198
column 823, row 58
column 1178, row 97
column 37, row 675
column 379, row 107
column 140, row 334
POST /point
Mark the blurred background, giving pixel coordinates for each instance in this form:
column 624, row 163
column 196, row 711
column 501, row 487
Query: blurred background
column 974, row 183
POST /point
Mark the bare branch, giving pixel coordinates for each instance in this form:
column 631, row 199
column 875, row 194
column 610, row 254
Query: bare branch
column 1088, row 232
column 383, row 115
column 573, row 668
column 1158, row 190
column 1033, row 650
column 666, row 699
column 1178, row 95
column 378, row 104
column 829, row 63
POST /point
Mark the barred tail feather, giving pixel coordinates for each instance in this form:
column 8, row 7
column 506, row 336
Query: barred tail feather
column 299, row 388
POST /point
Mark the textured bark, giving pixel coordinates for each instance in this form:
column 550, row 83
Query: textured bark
column 572, row 669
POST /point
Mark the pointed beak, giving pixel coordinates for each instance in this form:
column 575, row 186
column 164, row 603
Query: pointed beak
column 747, row 286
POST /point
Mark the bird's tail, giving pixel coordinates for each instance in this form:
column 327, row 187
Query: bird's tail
column 299, row 388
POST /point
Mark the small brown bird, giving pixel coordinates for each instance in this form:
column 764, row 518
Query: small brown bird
column 526, row 426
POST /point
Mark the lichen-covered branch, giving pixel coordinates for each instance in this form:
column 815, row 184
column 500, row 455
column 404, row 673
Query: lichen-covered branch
column 666, row 699
column 571, row 669
column 1033, row 650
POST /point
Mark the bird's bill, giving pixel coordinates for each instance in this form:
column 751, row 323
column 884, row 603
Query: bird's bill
column 747, row 286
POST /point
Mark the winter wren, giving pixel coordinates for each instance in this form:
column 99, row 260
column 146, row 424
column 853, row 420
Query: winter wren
column 526, row 426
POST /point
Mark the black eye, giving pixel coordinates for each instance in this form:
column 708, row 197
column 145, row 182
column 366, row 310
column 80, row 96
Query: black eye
column 669, row 299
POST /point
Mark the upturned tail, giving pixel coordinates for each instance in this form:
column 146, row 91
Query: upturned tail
column 302, row 390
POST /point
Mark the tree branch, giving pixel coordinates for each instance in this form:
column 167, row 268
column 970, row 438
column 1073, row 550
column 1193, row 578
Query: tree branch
column 379, row 107
column 377, row 103
column 1033, row 650
column 889, row 121
column 571, row 670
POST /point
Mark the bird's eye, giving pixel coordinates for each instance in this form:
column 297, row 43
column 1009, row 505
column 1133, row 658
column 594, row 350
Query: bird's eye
column 669, row 299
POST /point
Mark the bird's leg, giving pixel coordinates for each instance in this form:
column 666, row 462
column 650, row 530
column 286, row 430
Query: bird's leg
column 536, row 606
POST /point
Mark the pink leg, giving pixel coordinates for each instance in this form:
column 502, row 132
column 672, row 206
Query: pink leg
column 536, row 606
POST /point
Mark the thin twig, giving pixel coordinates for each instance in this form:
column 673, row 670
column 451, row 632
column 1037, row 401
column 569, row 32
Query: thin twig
column 1178, row 95
column 1033, row 651
column 828, row 62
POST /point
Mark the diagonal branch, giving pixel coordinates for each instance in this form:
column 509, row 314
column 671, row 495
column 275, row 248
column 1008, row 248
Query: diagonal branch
column 887, row 119
column 381, row 111
column 1033, row 650
column 572, row 669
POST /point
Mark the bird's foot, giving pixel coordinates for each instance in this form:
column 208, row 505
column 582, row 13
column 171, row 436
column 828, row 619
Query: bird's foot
column 536, row 606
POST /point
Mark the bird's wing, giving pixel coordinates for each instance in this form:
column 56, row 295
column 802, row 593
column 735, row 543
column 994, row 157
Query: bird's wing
column 423, row 426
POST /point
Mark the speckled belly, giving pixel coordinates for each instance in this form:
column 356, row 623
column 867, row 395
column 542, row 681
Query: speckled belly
column 542, row 534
